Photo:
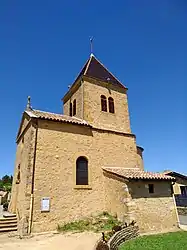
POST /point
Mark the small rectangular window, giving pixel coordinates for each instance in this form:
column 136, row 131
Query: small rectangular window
column 70, row 109
column 151, row 188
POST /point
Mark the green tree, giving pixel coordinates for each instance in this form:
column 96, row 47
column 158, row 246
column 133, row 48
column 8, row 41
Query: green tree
column 1, row 185
column 7, row 187
column 6, row 183
column 6, row 179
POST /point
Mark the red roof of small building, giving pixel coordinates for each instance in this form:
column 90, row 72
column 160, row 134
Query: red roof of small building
column 137, row 174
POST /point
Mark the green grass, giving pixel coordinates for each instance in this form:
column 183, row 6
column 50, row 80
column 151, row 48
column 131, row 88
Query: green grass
column 169, row 241
column 102, row 222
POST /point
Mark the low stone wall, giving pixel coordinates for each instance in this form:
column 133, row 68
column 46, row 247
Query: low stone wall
column 126, row 233
column 123, row 235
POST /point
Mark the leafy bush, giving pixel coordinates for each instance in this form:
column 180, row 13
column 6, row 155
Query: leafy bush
column 102, row 222
column 6, row 183
column 102, row 246
column 5, row 206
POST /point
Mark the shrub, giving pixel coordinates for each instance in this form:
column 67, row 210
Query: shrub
column 5, row 206
column 116, row 228
column 102, row 246
column 102, row 222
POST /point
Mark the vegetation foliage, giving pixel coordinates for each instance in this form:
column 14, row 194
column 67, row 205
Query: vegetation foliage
column 100, row 223
column 169, row 241
column 6, row 183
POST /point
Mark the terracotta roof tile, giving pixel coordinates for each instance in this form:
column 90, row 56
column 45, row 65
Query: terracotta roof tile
column 137, row 174
column 55, row 117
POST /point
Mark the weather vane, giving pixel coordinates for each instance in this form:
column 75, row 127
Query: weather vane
column 28, row 102
column 91, row 44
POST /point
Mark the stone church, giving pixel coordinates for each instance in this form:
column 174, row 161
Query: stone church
column 86, row 161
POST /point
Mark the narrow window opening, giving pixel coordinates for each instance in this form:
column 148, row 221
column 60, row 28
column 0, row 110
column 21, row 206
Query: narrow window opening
column 74, row 107
column 82, row 171
column 111, row 104
column 103, row 103
column 70, row 109
column 18, row 179
column 151, row 188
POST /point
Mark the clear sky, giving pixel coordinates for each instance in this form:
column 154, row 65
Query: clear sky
column 44, row 44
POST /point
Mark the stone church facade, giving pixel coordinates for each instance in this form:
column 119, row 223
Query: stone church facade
column 86, row 161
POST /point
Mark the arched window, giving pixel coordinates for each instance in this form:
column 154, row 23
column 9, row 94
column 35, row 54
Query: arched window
column 103, row 103
column 70, row 109
column 82, row 171
column 111, row 104
column 74, row 107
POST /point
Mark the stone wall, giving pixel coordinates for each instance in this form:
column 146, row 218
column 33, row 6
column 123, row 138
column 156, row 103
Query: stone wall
column 140, row 162
column 92, row 107
column 78, row 96
column 59, row 145
column 4, row 198
column 115, row 189
column 24, row 123
column 153, row 212
column 21, row 188
column 125, row 234
column 88, row 96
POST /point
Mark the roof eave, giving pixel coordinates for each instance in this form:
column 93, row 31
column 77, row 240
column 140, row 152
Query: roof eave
column 118, row 175
column 100, row 80
column 64, row 121
column 71, row 91
column 151, row 178
column 177, row 174
column 140, row 178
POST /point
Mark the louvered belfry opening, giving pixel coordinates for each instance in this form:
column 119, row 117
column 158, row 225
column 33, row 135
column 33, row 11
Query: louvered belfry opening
column 82, row 171
column 103, row 103
column 74, row 107
column 111, row 104
column 70, row 109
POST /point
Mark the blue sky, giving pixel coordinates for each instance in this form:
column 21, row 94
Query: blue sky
column 44, row 44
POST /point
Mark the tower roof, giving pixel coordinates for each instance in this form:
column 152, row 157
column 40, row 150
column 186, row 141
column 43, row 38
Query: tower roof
column 95, row 69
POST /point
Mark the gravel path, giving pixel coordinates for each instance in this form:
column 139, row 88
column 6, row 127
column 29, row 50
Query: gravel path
column 78, row 241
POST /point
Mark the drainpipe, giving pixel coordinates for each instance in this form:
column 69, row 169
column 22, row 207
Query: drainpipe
column 32, row 183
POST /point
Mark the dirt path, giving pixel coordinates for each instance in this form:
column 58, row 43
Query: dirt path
column 78, row 241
